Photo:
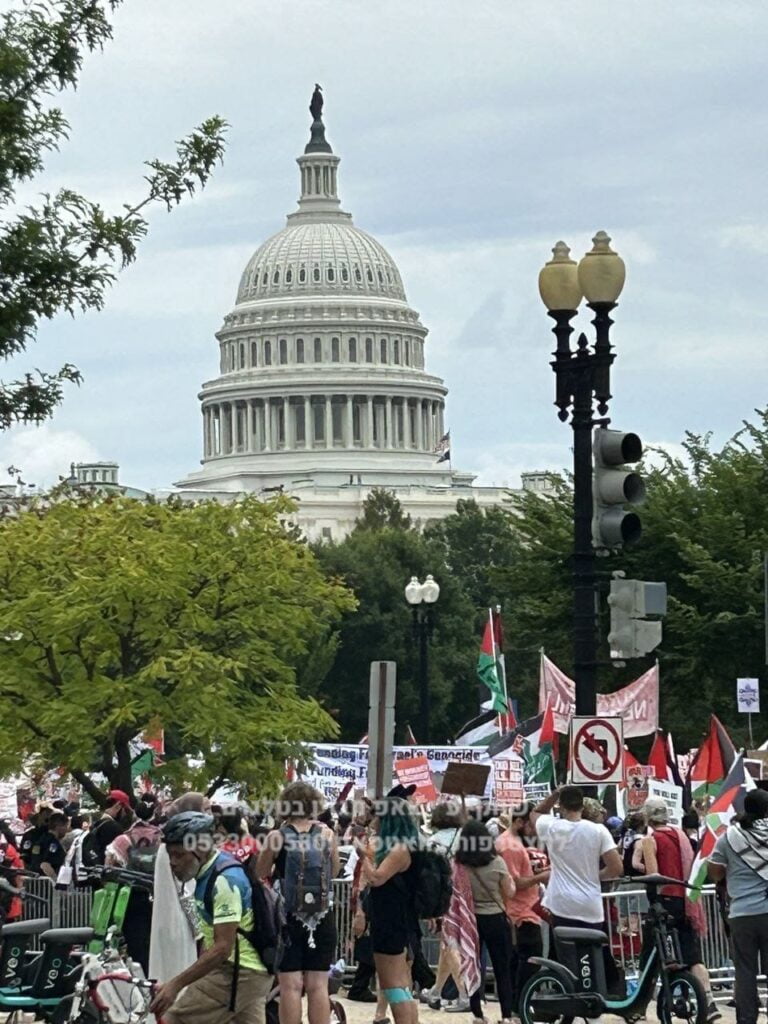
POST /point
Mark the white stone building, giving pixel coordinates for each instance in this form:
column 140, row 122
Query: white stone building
column 323, row 389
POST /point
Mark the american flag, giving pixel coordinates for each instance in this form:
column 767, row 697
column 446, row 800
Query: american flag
column 443, row 447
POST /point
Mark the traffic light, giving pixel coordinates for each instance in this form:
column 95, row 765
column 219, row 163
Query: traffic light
column 613, row 487
column 632, row 603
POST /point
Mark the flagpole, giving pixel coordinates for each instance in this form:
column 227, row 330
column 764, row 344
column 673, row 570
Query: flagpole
column 503, row 663
column 500, row 720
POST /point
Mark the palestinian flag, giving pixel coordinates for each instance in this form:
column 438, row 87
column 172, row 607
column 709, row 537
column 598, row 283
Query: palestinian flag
column 728, row 802
column 489, row 668
column 480, row 731
column 532, row 740
column 662, row 759
column 712, row 761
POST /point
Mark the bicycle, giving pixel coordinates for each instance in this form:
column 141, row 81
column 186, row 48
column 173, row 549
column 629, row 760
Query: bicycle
column 111, row 988
column 575, row 986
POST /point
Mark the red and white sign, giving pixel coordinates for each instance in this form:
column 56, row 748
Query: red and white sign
column 636, row 778
column 414, row 771
column 597, row 750
column 637, row 704
column 508, row 781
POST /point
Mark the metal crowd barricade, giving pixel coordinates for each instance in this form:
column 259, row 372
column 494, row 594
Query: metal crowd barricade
column 64, row 909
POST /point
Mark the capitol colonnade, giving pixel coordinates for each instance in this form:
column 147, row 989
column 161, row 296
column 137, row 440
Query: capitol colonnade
column 278, row 422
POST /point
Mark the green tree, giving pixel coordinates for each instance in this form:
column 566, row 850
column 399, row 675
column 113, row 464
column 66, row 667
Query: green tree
column 376, row 564
column 118, row 615
column 62, row 255
column 381, row 508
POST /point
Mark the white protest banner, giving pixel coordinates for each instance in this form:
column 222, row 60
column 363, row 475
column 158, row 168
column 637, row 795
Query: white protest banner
column 748, row 696
column 535, row 794
column 671, row 795
column 335, row 764
column 637, row 704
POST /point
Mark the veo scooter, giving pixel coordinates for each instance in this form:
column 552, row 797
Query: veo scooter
column 575, row 985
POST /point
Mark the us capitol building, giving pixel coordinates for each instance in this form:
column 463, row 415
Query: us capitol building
column 323, row 390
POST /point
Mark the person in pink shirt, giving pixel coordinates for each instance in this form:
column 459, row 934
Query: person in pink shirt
column 523, row 906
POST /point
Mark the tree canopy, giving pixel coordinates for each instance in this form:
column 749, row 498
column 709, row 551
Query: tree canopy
column 117, row 616
column 62, row 254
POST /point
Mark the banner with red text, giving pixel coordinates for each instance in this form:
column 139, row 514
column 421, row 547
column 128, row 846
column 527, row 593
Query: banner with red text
column 637, row 704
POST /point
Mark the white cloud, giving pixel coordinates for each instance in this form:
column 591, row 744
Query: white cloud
column 43, row 454
column 747, row 237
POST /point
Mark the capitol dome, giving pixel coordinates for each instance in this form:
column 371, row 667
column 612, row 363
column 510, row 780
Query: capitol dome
column 321, row 258
column 323, row 381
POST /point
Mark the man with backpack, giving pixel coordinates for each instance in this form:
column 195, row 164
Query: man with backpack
column 228, row 982
column 115, row 820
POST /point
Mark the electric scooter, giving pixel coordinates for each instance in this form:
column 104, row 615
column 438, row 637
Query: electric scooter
column 575, row 985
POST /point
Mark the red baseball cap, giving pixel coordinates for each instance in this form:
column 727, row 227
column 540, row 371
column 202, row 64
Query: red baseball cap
column 117, row 796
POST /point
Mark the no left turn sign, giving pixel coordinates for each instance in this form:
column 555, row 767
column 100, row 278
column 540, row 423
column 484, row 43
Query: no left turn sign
column 597, row 750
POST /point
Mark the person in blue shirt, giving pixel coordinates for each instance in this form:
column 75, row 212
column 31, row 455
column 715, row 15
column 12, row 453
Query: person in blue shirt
column 228, row 983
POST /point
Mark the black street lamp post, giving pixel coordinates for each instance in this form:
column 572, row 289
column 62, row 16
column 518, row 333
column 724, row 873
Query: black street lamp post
column 421, row 597
column 582, row 376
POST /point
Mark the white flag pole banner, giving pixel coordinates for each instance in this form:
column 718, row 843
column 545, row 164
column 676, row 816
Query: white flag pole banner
column 748, row 695
column 637, row 704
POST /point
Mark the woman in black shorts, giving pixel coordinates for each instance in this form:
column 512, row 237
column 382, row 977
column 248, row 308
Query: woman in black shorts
column 393, row 920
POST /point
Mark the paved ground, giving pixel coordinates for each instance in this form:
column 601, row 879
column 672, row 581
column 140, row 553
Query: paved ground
column 363, row 1013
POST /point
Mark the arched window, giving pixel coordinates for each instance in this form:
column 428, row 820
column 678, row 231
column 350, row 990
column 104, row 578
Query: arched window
column 267, row 353
column 254, row 353
column 264, row 279
column 276, row 277
column 352, row 345
column 358, row 274
column 316, row 274
column 383, row 351
column 369, row 350
column 302, row 274
column 380, row 276
column 334, row 350
column 369, row 275
column 318, row 350
column 396, row 347
column 330, row 273
column 344, row 273
column 288, row 276
column 283, row 351
column 242, row 355
column 299, row 350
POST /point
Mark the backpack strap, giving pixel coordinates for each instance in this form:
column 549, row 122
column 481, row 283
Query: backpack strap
column 216, row 872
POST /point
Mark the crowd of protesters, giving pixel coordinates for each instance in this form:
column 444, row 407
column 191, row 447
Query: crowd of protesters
column 514, row 876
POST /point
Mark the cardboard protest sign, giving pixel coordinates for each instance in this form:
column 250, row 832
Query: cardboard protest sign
column 414, row 771
column 636, row 778
column 462, row 779
column 507, row 781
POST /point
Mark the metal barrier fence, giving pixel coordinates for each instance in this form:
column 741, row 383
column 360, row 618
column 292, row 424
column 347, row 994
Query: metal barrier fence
column 64, row 909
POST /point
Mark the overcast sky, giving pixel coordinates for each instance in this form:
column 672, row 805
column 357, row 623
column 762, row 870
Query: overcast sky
column 473, row 135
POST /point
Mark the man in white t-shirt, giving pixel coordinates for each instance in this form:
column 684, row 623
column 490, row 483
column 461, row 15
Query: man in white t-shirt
column 576, row 847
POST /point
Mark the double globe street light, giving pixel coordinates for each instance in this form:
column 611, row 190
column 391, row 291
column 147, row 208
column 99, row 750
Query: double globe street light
column 421, row 597
column 583, row 376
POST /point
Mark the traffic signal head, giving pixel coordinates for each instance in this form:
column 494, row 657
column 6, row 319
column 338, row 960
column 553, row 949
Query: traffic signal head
column 631, row 603
column 615, row 486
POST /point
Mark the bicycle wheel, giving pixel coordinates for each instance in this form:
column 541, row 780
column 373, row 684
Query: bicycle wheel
column 338, row 1011
column 688, row 1000
column 545, row 982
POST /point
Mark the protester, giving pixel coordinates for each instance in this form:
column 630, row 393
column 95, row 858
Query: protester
column 576, row 848
column 51, row 851
column 30, row 848
column 115, row 820
column 666, row 851
column 137, row 850
column 302, row 857
column 446, row 823
column 228, row 981
column 740, row 857
column 523, row 906
column 233, row 837
column 11, row 907
column 492, row 888
column 78, row 825
column 393, row 919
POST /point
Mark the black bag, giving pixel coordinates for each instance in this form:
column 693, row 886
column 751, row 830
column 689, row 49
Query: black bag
column 431, row 883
